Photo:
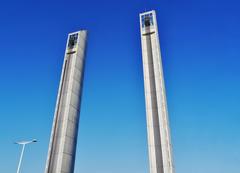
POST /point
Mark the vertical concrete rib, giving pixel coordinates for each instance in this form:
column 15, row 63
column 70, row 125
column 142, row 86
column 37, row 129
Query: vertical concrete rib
column 159, row 144
column 62, row 147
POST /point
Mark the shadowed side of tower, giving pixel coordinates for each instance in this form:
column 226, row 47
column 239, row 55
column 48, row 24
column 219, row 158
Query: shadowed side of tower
column 63, row 141
column 159, row 143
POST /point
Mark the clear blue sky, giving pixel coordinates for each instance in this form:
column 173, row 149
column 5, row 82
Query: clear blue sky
column 200, row 42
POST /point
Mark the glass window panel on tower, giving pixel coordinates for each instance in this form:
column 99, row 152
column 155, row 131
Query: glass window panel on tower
column 147, row 20
column 72, row 41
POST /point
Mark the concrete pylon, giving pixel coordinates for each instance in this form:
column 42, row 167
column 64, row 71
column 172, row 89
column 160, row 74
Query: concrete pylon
column 159, row 143
column 62, row 147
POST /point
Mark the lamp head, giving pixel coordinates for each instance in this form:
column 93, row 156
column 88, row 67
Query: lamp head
column 25, row 142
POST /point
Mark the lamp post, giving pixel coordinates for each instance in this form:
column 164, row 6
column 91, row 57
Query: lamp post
column 23, row 143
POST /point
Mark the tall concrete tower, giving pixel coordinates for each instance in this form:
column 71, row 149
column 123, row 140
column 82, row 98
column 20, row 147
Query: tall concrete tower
column 159, row 143
column 62, row 147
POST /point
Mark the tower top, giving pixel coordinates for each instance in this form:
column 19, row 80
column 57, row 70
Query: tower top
column 148, row 22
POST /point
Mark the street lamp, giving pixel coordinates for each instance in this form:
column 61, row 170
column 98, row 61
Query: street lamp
column 23, row 143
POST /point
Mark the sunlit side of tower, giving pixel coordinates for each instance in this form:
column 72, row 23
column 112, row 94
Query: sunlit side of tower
column 159, row 143
column 62, row 147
